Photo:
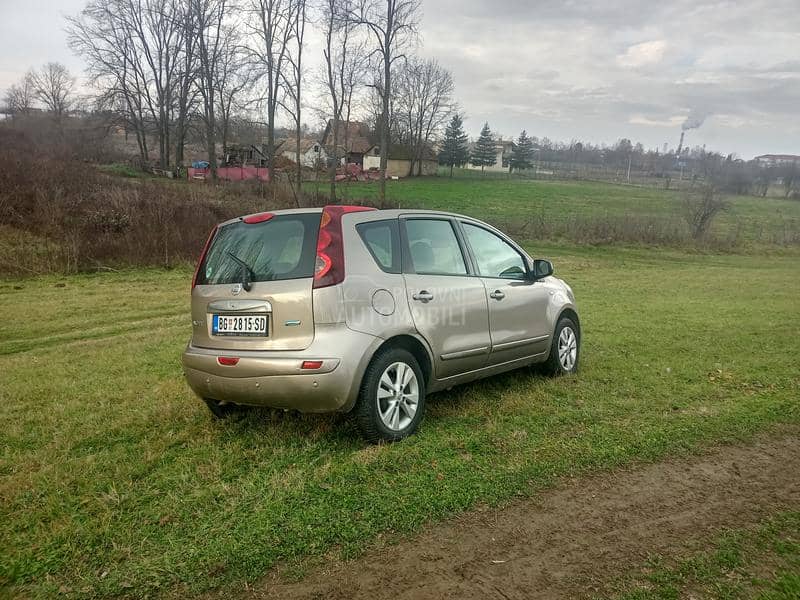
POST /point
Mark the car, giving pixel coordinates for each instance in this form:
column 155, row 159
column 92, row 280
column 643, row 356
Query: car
column 365, row 311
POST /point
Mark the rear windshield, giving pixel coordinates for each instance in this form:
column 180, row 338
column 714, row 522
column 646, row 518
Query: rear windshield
column 285, row 247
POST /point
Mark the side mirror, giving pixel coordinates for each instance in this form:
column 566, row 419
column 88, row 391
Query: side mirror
column 540, row 269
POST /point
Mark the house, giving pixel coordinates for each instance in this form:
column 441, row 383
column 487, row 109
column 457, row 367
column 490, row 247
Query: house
column 776, row 160
column 399, row 161
column 250, row 154
column 353, row 136
column 312, row 153
column 504, row 149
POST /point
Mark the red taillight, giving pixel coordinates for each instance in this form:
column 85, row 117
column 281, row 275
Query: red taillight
column 257, row 218
column 203, row 255
column 228, row 361
column 329, row 266
column 311, row 364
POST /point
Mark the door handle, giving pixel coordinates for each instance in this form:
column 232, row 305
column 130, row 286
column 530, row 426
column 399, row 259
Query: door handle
column 423, row 296
column 497, row 295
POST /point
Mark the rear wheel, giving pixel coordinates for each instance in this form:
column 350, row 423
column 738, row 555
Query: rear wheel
column 564, row 349
column 391, row 401
column 222, row 411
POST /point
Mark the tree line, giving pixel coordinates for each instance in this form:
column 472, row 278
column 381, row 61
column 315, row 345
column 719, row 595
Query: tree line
column 158, row 67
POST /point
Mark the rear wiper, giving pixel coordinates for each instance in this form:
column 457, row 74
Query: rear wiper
column 247, row 273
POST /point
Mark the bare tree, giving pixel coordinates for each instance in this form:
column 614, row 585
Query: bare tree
column 424, row 103
column 271, row 26
column 392, row 25
column 701, row 209
column 232, row 81
column 186, row 90
column 20, row 97
column 134, row 52
column 54, row 87
column 209, row 17
column 102, row 34
column 294, row 79
column 345, row 62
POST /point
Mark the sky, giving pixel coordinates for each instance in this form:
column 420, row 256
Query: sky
column 590, row 70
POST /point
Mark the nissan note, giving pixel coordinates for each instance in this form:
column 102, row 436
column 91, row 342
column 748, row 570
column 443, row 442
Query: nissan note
column 353, row 309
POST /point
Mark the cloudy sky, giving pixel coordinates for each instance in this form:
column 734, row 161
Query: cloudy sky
column 591, row 70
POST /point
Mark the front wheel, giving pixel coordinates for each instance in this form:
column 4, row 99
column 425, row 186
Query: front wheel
column 564, row 349
column 391, row 401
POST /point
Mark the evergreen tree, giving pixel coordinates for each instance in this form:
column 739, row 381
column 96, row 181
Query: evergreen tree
column 522, row 158
column 454, row 147
column 485, row 153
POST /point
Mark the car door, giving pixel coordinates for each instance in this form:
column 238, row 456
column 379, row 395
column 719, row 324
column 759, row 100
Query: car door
column 517, row 306
column 448, row 305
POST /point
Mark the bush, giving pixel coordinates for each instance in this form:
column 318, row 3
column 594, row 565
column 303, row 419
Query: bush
column 82, row 219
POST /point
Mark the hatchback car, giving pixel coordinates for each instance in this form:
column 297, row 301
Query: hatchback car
column 368, row 311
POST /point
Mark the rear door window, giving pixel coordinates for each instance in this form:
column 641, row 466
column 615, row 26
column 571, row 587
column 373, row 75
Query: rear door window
column 284, row 247
column 433, row 247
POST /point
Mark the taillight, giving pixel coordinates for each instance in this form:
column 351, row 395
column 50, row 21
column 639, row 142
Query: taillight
column 203, row 255
column 311, row 364
column 329, row 265
column 228, row 361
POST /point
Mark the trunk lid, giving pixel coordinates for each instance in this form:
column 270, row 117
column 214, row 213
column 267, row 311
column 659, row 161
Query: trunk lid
column 272, row 254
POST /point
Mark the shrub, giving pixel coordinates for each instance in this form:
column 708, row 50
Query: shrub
column 83, row 219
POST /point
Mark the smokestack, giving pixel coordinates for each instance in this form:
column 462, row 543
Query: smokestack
column 680, row 145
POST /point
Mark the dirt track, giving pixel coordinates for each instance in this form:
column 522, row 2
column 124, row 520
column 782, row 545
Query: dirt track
column 571, row 541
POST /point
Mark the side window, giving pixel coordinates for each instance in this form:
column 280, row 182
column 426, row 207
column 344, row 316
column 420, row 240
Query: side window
column 495, row 256
column 383, row 241
column 434, row 247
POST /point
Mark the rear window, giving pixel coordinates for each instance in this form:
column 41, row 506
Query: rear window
column 285, row 247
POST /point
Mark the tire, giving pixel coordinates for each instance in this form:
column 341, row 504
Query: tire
column 222, row 411
column 382, row 415
column 559, row 362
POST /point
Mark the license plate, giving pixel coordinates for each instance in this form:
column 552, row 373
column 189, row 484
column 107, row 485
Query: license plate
column 244, row 325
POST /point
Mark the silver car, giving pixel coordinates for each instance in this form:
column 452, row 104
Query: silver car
column 368, row 311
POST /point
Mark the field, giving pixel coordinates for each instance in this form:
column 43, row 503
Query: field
column 115, row 481
column 565, row 209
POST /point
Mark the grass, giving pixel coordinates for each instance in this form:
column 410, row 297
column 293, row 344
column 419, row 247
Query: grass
column 764, row 563
column 122, row 170
column 516, row 200
column 114, row 480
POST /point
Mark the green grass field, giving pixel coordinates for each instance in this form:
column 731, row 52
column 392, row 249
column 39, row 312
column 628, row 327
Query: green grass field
column 114, row 480
column 514, row 200
column 737, row 566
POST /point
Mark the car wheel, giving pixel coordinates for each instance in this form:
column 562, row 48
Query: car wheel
column 564, row 349
column 222, row 411
column 391, row 401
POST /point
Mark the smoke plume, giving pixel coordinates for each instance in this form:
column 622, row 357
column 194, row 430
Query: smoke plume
column 694, row 120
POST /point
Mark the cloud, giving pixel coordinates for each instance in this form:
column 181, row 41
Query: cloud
column 592, row 69
column 640, row 55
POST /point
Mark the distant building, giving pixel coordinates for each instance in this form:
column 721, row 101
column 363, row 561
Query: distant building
column 312, row 153
column 503, row 149
column 398, row 163
column 776, row 160
column 353, row 137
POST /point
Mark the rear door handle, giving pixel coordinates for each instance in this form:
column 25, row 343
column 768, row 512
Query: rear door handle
column 497, row 295
column 423, row 296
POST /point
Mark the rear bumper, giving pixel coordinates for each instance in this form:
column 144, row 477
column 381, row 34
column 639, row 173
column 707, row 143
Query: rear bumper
column 275, row 378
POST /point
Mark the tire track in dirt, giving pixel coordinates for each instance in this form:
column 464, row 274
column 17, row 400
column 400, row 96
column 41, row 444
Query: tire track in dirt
column 574, row 540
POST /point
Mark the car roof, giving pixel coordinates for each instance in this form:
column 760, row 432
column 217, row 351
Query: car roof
column 373, row 215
